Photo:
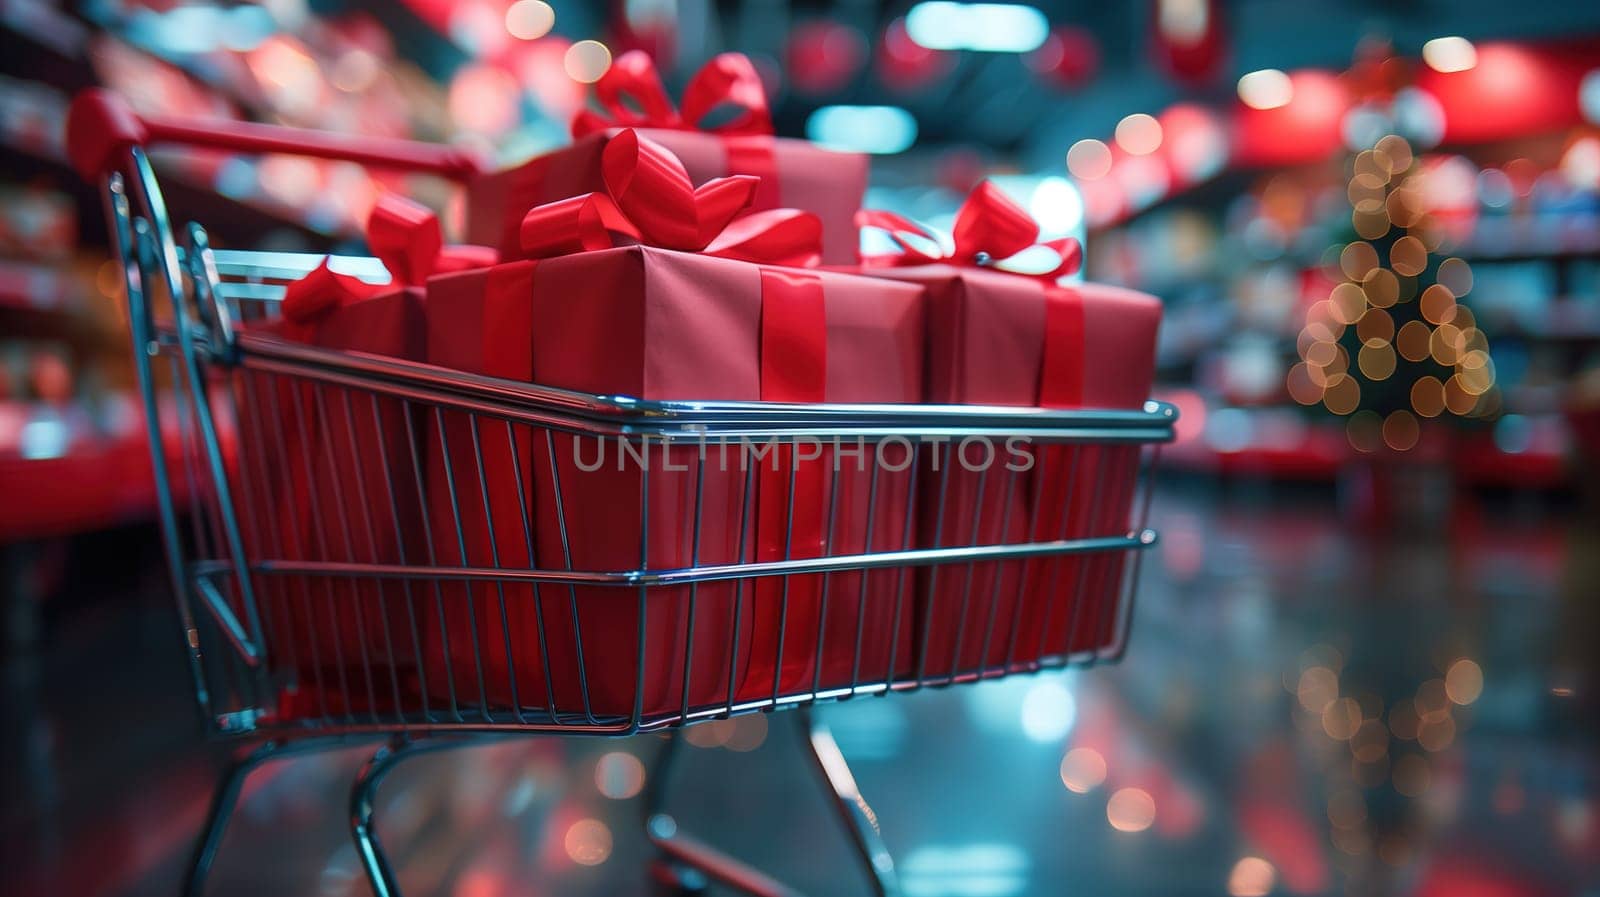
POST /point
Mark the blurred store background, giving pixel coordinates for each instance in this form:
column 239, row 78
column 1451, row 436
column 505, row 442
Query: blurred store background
column 1364, row 658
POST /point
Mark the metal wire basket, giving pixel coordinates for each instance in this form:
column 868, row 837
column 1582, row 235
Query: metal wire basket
column 376, row 547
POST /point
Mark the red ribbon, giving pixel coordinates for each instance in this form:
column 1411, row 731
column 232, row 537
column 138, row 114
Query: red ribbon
column 728, row 80
column 990, row 229
column 650, row 200
column 789, row 521
column 405, row 236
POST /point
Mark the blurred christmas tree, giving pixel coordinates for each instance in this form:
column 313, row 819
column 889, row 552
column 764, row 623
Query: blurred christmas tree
column 1393, row 345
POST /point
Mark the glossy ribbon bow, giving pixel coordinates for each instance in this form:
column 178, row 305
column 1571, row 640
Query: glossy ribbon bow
column 405, row 236
column 990, row 229
column 650, row 200
column 728, row 80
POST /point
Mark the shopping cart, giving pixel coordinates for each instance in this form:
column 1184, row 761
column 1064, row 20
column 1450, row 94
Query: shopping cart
column 666, row 651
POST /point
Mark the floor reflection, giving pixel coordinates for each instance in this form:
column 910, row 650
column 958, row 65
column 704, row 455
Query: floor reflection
column 1308, row 707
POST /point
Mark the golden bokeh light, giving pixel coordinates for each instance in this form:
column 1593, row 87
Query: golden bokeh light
column 1445, row 344
column 1427, row 396
column 1381, row 287
column 1366, row 192
column 1408, row 256
column 1438, row 304
column 1369, row 162
column 1131, row 810
column 1303, row 388
column 1376, row 359
column 1083, row 770
column 1343, row 394
column 1341, row 719
column 1400, row 431
column 1463, row 682
column 1376, row 324
column 1456, row 397
column 1364, row 430
column 1412, row 340
column 1397, row 150
column 1370, row 225
column 1456, row 276
column 1357, row 260
column 1404, row 207
column 1476, row 381
column 1324, row 330
column 1347, row 302
column 1322, row 353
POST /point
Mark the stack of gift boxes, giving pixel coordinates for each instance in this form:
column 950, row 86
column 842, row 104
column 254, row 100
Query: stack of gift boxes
column 661, row 259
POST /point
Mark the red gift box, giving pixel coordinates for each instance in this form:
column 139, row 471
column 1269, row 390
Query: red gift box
column 794, row 173
column 676, row 315
column 1002, row 337
column 338, row 464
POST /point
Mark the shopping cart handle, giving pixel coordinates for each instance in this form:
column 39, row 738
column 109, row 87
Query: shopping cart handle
column 101, row 127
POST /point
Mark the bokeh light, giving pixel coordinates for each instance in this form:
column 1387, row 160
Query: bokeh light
column 1089, row 160
column 1449, row 54
column 1251, row 877
column 1083, row 769
column 1139, row 134
column 1131, row 810
column 1400, row 431
column 587, row 60
column 619, row 775
column 1463, row 682
column 588, row 842
column 1266, row 89
column 530, row 19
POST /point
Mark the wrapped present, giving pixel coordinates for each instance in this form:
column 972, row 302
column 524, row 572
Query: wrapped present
column 653, row 290
column 1000, row 335
column 793, row 173
column 341, row 463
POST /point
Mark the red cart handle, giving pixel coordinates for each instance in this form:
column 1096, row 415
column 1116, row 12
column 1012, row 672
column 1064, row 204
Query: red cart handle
column 101, row 127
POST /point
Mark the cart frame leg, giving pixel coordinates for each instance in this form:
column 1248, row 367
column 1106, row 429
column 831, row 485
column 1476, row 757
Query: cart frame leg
column 225, row 799
column 860, row 824
column 363, row 803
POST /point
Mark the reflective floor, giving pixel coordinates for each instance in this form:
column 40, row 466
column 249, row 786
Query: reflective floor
column 1310, row 706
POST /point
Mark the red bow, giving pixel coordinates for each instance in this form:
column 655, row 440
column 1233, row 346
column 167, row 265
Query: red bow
column 405, row 236
column 650, row 200
column 729, row 79
column 990, row 229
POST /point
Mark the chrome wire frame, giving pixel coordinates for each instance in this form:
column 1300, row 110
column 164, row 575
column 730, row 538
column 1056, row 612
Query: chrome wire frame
column 374, row 546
